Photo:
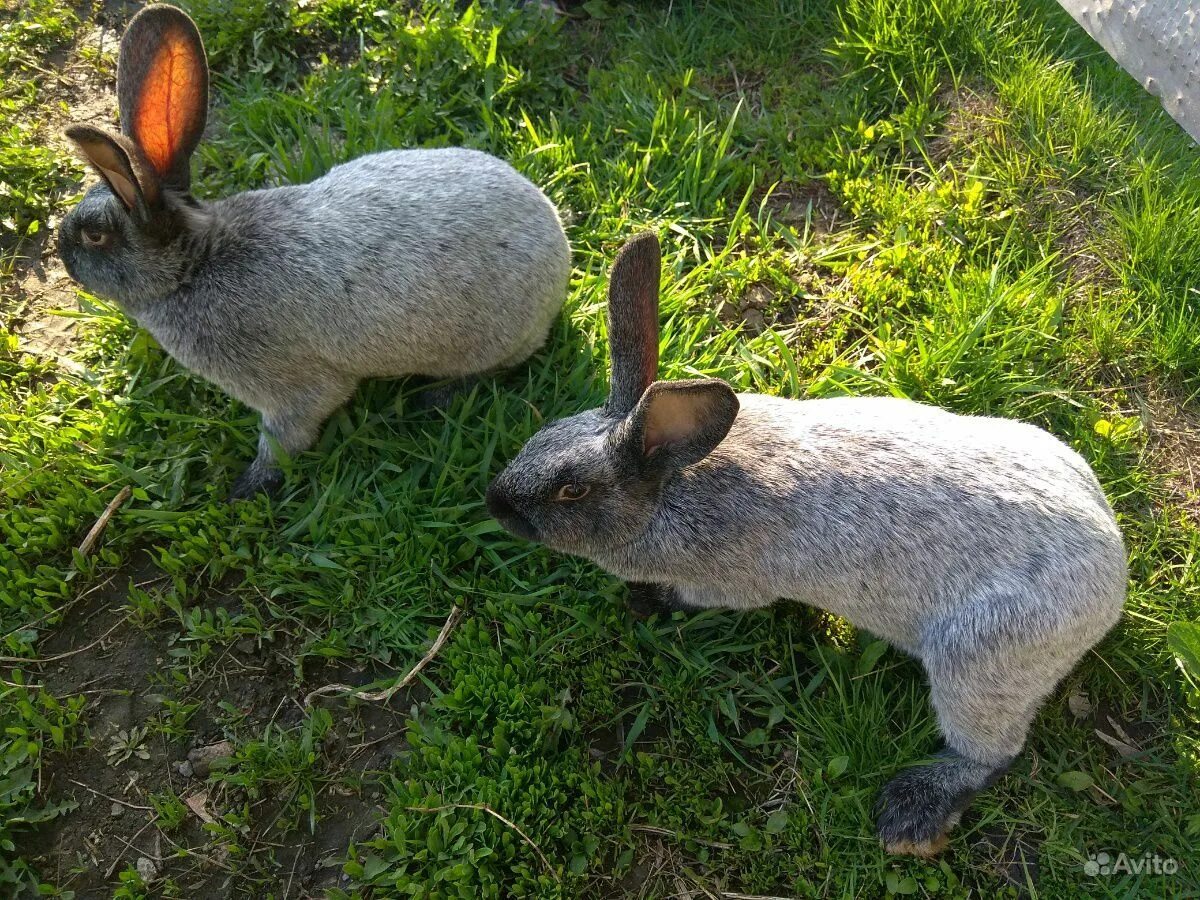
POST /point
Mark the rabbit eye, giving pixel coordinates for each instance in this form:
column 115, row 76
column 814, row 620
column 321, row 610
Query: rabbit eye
column 573, row 491
column 95, row 237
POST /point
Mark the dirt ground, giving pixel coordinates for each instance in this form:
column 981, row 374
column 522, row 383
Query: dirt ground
column 120, row 671
column 84, row 92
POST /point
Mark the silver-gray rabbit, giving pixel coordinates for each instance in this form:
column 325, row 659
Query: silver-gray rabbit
column 983, row 547
column 445, row 263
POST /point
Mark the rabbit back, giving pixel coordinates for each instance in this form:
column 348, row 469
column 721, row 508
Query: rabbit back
column 433, row 262
column 890, row 513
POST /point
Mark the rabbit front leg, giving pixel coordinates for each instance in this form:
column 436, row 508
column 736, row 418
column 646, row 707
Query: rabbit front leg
column 293, row 426
column 646, row 600
column 442, row 395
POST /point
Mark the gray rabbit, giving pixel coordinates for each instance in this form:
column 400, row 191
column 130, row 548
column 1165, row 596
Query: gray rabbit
column 445, row 263
column 983, row 547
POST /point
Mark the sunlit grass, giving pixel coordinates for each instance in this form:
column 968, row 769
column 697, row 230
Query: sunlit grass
column 744, row 750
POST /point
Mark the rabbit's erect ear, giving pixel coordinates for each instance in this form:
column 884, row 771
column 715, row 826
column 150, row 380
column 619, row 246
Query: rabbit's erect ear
column 681, row 422
column 162, row 89
column 120, row 164
column 633, row 322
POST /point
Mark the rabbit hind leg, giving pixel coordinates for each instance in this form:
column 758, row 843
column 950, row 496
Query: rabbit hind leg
column 987, row 682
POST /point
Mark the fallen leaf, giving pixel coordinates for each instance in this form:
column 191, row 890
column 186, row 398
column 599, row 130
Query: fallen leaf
column 1126, row 750
column 1122, row 742
column 1080, row 705
column 198, row 804
column 1118, row 730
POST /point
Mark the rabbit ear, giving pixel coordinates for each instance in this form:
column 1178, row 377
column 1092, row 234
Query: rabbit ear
column 633, row 322
column 120, row 165
column 681, row 422
column 162, row 89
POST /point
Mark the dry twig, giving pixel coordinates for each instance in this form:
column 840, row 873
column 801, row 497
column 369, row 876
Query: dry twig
column 667, row 832
column 124, row 803
column 386, row 695
column 117, row 860
column 89, row 542
column 483, row 807
column 49, row 659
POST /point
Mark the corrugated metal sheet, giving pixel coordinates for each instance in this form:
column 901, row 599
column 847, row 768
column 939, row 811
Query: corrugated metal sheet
column 1155, row 41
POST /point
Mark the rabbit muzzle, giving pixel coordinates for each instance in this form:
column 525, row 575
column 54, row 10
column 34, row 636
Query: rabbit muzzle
column 503, row 510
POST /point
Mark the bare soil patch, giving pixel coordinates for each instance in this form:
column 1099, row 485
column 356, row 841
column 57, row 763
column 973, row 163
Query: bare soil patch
column 1172, row 424
column 811, row 204
column 80, row 87
column 811, row 299
column 231, row 837
column 1012, row 855
column 973, row 115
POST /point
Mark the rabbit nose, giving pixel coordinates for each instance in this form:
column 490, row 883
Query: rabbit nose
column 498, row 504
column 504, row 512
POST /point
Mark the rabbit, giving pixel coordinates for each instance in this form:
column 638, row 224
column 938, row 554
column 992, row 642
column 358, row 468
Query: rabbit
column 443, row 262
column 983, row 547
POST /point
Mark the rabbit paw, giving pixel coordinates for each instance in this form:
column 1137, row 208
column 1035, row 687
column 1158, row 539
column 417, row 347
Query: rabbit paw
column 914, row 815
column 441, row 396
column 646, row 600
column 255, row 481
column 917, row 809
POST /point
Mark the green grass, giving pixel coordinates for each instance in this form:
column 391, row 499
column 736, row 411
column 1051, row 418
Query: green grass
column 977, row 153
column 29, row 175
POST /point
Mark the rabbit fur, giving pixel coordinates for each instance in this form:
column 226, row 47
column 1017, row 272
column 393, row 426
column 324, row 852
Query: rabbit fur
column 444, row 263
column 983, row 547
